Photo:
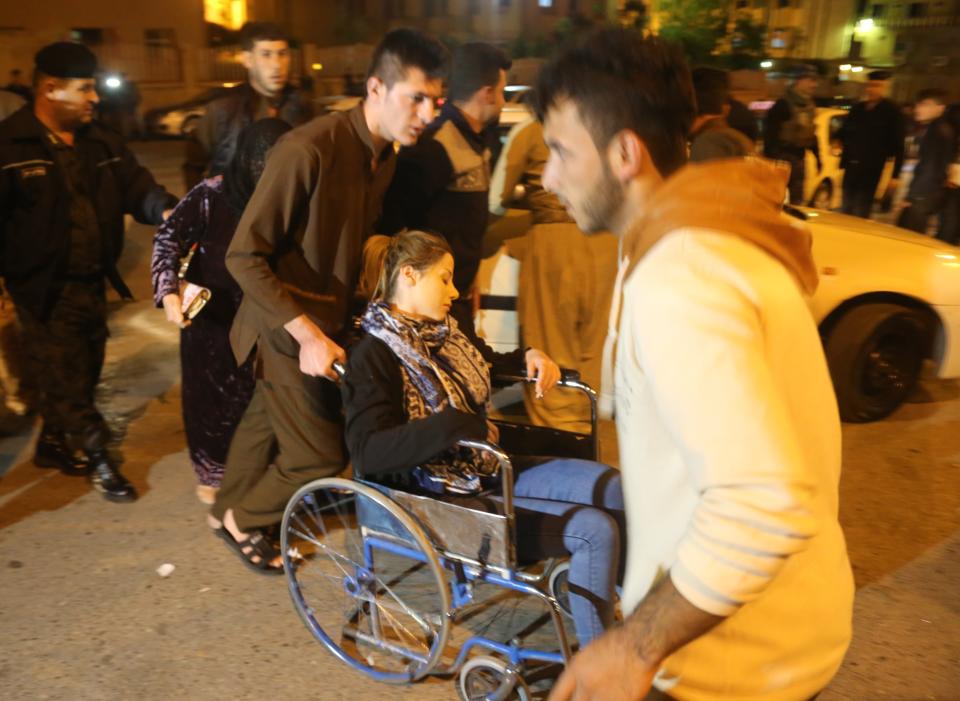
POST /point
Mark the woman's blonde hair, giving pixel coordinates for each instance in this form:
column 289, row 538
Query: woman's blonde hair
column 418, row 249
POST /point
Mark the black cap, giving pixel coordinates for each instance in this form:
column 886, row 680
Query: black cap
column 878, row 75
column 66, row 59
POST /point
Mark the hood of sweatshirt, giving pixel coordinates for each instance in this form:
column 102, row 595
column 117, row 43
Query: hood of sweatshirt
column 736, row 196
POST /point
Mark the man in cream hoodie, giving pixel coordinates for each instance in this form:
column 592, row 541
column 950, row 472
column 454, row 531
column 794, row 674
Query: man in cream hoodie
column 738, row 584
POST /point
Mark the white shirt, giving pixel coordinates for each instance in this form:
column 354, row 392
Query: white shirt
column 730, row 452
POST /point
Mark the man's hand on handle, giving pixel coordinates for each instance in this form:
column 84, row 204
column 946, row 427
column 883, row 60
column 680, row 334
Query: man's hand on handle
column 317, row 352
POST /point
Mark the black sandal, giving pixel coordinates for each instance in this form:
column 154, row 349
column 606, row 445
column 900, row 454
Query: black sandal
column 257, row 545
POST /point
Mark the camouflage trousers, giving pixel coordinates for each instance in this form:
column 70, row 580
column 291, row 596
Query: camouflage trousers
column 64, row 354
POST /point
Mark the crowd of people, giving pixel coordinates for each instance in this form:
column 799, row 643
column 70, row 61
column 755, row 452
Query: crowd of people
column 355, row 237
column 877, row 134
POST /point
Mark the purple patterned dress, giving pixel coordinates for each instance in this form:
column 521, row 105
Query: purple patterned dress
column 215, row 391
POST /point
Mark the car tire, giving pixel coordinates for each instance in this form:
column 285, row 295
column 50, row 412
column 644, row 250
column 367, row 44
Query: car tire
column 189, row 126
column 875, row 352
column 822, row 196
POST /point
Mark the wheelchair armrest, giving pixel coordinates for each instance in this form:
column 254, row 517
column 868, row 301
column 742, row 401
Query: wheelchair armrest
column 506, row 473
column 509, row 378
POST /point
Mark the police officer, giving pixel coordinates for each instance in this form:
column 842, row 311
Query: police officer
column 65, row 184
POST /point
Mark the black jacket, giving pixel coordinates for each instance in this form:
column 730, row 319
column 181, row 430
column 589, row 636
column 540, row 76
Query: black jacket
column 789, row 129
column 34, row 206
column 870, row 136
column 211, row 148
column 384, row 445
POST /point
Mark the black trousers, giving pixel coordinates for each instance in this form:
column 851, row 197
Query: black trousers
column 859, row 188
column 950, row 217
column 64, row 354
column 916, row 217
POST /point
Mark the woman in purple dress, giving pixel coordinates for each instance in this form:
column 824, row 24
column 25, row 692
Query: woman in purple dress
column 215, row 389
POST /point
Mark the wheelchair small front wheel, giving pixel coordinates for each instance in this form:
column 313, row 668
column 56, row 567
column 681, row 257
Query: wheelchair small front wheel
column 486, row 678
column 365, row 579
column 559, row 586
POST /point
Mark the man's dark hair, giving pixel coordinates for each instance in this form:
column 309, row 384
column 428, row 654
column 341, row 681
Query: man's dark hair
column 402, row 49
column 878, row 75
column 475, row 65
column 712, row 89
column 934, row 95
column 252, row 32
column 620, row 80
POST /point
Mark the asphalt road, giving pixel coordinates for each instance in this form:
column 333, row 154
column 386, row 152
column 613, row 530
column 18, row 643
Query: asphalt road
column 84, row 614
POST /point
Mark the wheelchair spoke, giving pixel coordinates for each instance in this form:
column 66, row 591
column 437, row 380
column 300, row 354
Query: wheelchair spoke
column 366, row 581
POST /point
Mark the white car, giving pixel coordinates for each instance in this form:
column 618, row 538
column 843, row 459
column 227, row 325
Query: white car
column 888, row 305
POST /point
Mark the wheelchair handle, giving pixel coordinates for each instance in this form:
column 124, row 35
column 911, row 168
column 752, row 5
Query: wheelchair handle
column 569, row 379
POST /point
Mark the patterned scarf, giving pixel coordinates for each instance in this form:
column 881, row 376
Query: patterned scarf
column 440, row 368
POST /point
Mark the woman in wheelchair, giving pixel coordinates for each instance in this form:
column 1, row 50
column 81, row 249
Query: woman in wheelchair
column 415, row 386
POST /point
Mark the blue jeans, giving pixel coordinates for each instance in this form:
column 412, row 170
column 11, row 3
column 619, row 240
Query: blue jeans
column 575, row 507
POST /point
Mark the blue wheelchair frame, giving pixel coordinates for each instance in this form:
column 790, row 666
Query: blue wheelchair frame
column 459, row 603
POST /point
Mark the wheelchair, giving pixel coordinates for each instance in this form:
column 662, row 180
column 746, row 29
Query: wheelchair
column 380, row 576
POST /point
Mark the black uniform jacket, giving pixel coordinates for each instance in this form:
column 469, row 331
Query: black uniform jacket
column 35, row 211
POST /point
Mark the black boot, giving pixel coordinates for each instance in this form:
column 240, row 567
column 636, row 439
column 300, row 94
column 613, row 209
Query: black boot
column 107, row 479
column 53, row 451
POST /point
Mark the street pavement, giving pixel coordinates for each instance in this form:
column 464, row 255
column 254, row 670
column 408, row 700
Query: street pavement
column 85, row 615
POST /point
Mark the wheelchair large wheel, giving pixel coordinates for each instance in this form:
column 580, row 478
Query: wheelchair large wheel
column 365, row 579
column 490, row 679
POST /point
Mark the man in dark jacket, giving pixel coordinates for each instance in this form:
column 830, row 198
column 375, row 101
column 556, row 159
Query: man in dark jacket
column 790, row 131
column 872, row 134
column 930, row 176
column 711, row 136
column 443, row 182
column 266, row 93
column 65, row 184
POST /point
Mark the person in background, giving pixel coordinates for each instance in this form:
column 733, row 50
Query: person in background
column 566, row 278
column 790, row 131
column 743, row 120
column 949, row 231
column 65, row 186
column 936, row 148
column 711, row 136
column 443, row 181
column 216, row 391
column 267, row 92
column 872, row 134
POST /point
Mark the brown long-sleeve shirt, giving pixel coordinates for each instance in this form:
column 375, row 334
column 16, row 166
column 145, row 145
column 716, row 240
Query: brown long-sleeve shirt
column 297, row 249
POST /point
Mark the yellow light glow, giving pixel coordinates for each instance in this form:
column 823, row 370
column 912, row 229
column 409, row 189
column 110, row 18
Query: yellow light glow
column 317, row 66
column 230, row 14
column 845, row 67
column 857, row 69
column 865, row 25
